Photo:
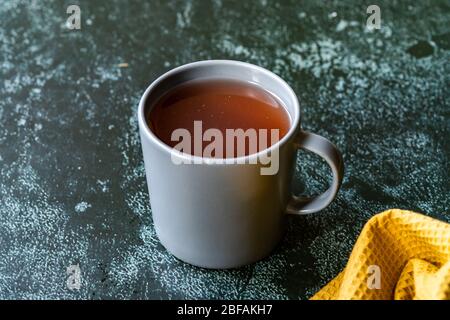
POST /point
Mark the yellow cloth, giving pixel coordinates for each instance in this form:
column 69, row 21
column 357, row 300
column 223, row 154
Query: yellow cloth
column 411, row 252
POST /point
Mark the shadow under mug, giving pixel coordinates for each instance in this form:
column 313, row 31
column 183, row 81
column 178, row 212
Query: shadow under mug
column 227, row 214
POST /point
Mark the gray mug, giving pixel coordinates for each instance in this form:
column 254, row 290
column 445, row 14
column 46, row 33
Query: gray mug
column 227, row 214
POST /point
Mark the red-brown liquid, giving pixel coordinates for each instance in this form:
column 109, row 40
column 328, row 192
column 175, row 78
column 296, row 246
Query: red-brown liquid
column 220, row 104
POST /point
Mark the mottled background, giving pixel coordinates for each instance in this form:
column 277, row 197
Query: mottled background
column 72, row 181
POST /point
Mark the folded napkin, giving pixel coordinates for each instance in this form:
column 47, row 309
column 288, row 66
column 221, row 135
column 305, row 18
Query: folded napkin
column 399, row 255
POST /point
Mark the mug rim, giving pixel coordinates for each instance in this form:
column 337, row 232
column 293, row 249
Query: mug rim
column 143, row 125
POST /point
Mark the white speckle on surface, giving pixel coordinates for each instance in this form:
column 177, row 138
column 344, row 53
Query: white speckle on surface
column 387, row 31
column 231, row 48
column 340, row 85
column 341, row 25
column 103, row 185
column 108, row 73
column 37, row 126
column 318, row 57
column 82, row 207
column 332, row 15
column 21, row 122
column 110, row 127
column 184, row 18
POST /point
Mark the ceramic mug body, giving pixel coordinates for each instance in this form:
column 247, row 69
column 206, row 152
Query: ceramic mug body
column 226, row 214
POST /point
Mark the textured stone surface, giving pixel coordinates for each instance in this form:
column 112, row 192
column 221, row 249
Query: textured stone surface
column 72, row 183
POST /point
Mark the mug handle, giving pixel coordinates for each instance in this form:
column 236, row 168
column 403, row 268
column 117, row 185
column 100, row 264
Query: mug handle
column 301, row 205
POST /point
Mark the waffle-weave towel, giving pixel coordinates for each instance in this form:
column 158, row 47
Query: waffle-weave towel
column 399, row 255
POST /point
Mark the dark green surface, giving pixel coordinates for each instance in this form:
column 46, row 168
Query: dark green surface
column 72, row 182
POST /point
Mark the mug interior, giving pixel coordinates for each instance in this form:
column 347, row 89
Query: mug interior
column 222, row 69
